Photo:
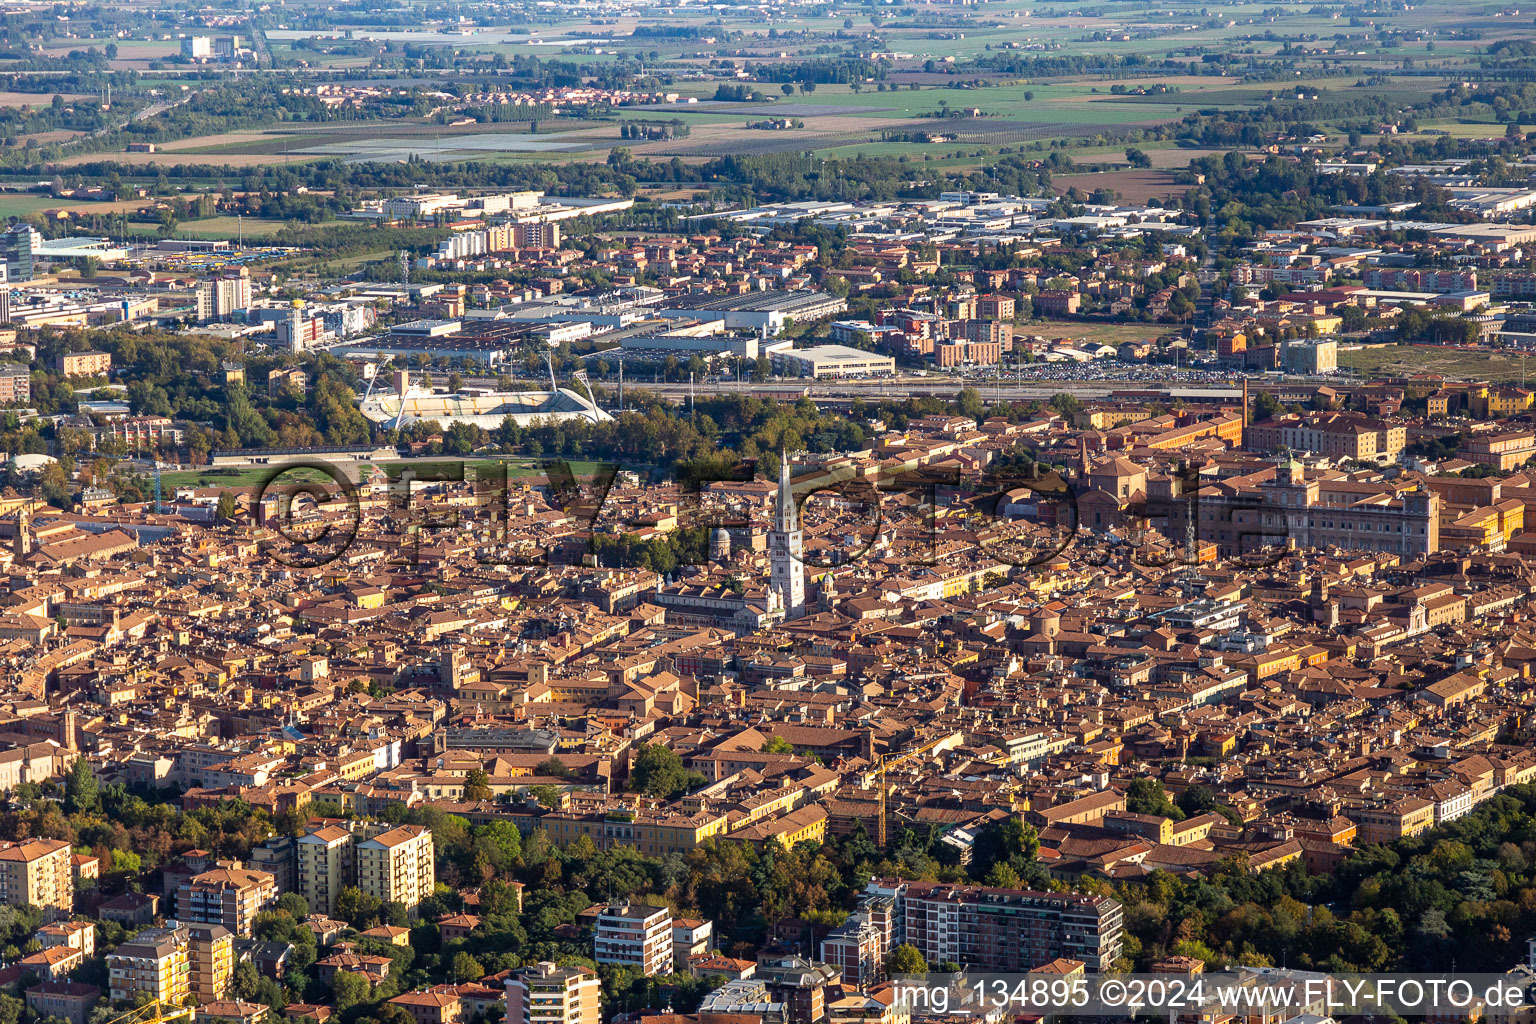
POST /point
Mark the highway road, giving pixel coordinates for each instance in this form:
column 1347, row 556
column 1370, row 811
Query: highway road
column 148, row 112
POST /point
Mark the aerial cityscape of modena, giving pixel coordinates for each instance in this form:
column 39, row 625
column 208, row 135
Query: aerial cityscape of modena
column 767, row 511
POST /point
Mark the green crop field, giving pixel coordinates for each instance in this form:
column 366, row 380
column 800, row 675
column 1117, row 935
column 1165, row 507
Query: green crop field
column 12, row 205
column 994, row 58
column 229, row 227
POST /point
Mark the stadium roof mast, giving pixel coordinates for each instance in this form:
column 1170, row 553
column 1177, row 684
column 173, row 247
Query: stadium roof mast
column 372, row 371
column 405, row 389
column 549, row 361
column 580, row 376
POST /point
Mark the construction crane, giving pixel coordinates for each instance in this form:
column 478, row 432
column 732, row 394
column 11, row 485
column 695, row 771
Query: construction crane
column 894, row 760
column 155, row 1012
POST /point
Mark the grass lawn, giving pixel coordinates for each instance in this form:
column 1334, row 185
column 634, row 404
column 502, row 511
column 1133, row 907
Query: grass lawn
column 517, row 468
column 236, row 476
column 249, row 476
column 229, row 227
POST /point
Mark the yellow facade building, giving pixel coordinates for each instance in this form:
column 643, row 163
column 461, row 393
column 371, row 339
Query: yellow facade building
column 211, row 954
column 38, row 872
column 155, row 964
column 326, row 862
column 397, row 866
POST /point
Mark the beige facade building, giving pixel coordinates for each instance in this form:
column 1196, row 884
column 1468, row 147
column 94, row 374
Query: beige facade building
column 397, row 866
column 211, row 952
column 327, row 862
column 38, row 872
column 84, row 364
column 64, row 1000
column 546, row 994
column 1390, row 822
column 79, row 935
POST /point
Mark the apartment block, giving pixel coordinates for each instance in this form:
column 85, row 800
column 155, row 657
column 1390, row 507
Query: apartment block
column 279, row 858
column 635, row 935
column 859, row 946
column 1504, row 451
column 956, row 353
column 547, row 994
column 1009, row 930
column 326, row 863
column 994, row 307
column 15, row 384
column 155, row 964
column 435, row 1006
column 652, row 833
column 990, row 332
column 38, row 872
column 1415, row 279
column 222, row 297
column 397, row 866
column 211, row 953
column 1337, row 435
column 84, row 364
column 52, row 964
column 802, row 987
column 231, row 898
column 1396, row 820
column 690, row 937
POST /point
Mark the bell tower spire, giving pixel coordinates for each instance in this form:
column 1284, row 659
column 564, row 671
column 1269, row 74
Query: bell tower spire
column 786, row 565
column 786, row 518
column 21, row 542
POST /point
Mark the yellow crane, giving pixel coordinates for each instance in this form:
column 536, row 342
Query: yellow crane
column 892, row 761
column 155, row 1012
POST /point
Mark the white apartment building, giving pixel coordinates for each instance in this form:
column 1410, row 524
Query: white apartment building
column 635, row 935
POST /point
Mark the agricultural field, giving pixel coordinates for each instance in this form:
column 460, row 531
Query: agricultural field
column 1115, row 29
column 13, row 205
column 1133, row 186
column 976, row 109
column 37, row 99
column 836, row 120
column 945, row 73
